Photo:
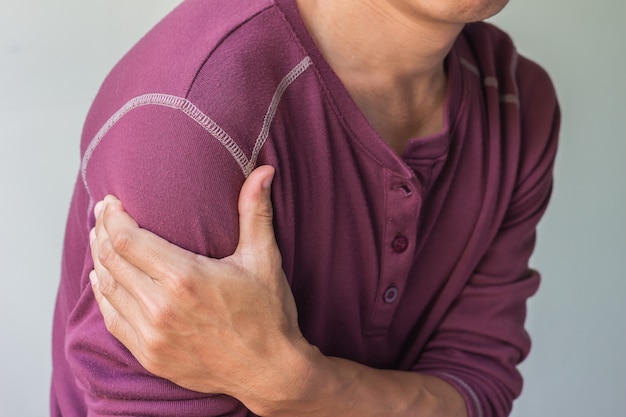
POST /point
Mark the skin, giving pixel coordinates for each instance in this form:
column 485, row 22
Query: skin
column 152, row 294
column 390, row 56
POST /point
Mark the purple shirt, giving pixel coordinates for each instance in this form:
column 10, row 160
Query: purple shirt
column 416, row 263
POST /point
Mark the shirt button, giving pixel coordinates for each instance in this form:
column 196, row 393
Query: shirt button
column 400, row 244
column 391, row 295
column 406, row 190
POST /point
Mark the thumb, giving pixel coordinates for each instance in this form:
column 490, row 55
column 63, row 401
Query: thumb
column 256, row 229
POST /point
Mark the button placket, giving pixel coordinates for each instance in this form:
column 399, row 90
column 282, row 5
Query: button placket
column 401, row 213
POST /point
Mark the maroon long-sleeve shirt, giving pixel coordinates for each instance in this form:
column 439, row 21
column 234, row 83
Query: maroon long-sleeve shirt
column 416, row 263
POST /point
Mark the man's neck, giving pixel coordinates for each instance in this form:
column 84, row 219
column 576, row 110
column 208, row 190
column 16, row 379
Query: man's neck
column 391, row 63
column 372, row 36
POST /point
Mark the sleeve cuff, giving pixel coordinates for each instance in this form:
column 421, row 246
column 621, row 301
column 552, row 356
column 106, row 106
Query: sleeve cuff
column 474, row 406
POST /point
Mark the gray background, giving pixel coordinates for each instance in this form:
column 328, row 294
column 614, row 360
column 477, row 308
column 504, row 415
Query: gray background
column 54, row 54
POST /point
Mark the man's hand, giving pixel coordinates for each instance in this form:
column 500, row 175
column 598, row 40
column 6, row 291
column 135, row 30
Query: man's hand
column 229, row 326
column 225, row 326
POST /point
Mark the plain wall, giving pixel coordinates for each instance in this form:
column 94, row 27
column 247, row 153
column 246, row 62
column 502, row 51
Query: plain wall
column 55, row 54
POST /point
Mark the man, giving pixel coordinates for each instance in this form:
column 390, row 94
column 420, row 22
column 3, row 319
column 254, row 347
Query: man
column 409, row 156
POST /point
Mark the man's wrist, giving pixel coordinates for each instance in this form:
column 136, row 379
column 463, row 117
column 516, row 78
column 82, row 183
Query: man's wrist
column 315, row 385
column 295, row 378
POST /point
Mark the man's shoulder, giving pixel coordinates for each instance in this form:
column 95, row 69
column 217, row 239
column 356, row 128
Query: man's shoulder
column 518, row 93
column 493, row 55
column 168, row 57
column 223, row 67
column 208, row 51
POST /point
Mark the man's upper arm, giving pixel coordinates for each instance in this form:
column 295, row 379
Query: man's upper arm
column 179, row 181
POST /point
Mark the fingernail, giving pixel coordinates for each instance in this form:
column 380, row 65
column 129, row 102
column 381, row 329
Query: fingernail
column 93, row 278
column 92, row 235
column 98, row 208
column 267, row 183
column 110, row 199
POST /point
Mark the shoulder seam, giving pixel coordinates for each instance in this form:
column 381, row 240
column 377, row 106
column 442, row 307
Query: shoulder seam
column 222, row 39
column 188, row 108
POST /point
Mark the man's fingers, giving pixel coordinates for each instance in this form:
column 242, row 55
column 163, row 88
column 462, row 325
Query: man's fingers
column 113, row 296
column 115, row 323
column 159, row 261
column 119, row 279
column 256, row 229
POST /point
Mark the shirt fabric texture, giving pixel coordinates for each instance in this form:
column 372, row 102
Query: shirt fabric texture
column 415, row 263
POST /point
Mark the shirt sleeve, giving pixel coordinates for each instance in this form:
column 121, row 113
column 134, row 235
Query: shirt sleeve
column 178, row 180
column 482, row 339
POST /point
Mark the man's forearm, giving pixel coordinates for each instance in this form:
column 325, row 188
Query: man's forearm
column 337, row 387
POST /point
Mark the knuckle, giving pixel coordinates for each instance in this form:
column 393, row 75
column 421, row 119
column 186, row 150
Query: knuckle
column 111, row 323
column 265, row 213
column 153, row 340
column 180, row 281
column 150, row 360
column 182, row 284
column 106, row 255
column 121, row 241
column 161, row 319
column 255, row 207
column 153, row 356
column 107, row 285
